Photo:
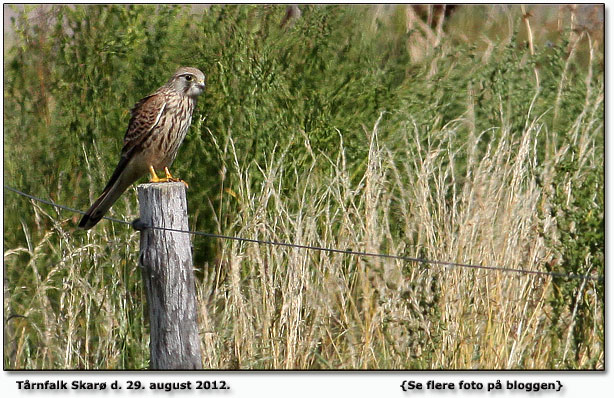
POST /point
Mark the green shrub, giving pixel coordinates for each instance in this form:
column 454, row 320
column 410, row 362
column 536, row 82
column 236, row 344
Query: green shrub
column 332, row 131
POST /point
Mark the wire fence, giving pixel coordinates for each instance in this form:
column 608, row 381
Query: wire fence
column 138, row 225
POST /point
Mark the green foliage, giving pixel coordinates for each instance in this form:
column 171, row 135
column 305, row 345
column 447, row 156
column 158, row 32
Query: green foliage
column 295, row 107
column 578, row 211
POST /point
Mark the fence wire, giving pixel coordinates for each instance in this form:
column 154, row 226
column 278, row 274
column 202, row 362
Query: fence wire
column 138, row 225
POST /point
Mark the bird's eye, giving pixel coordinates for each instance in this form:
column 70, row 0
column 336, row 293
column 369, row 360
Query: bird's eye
column 188, row 78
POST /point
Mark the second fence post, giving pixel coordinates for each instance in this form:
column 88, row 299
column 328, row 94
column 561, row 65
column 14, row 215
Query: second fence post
column 166, row 264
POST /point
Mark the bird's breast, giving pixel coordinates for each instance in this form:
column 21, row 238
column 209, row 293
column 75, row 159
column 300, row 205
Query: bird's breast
column 168, row 134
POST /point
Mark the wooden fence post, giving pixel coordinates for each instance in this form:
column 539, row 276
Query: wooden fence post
column 166, row 265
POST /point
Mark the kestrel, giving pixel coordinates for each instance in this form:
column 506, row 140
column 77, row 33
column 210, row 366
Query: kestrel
column 158, row 125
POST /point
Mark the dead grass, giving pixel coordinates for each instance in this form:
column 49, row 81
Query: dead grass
column 270, row 307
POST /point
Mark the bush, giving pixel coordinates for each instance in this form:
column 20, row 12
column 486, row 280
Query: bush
column 345, row 129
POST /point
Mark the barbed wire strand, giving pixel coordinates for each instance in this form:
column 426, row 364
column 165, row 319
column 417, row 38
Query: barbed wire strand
column 137, row 225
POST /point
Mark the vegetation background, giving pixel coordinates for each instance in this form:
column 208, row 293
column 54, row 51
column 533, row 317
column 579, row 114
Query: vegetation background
column 374, row 128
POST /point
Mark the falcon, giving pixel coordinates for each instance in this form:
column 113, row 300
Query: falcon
column 158, row 125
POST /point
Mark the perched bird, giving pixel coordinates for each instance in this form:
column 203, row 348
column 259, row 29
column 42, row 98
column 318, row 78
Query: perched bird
column 157, row 127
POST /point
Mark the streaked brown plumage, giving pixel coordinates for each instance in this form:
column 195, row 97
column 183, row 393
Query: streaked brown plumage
column 157, row 127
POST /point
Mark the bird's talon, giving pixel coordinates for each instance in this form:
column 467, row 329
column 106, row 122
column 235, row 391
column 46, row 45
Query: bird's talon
column 153, row 177
column 170, row 178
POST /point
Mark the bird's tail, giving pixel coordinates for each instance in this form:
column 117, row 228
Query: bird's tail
column 116, row 186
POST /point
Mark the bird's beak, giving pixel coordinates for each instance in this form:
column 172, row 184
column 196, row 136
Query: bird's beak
column 201, row 84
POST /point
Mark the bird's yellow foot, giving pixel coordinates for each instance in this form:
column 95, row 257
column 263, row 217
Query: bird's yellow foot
column 153, row 177
column 169, row 177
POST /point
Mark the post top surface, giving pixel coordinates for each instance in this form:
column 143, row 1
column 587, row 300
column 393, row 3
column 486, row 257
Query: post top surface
column 161, row 185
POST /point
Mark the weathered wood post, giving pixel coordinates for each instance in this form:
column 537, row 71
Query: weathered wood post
column 166, row 265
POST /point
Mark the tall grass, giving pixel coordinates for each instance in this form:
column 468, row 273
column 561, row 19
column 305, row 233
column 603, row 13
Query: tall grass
column 324, row 133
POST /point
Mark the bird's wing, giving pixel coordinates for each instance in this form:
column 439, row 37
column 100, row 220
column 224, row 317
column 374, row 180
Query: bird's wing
column 145, row 116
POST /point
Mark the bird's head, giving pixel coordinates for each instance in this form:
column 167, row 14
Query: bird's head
column 188, row 81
